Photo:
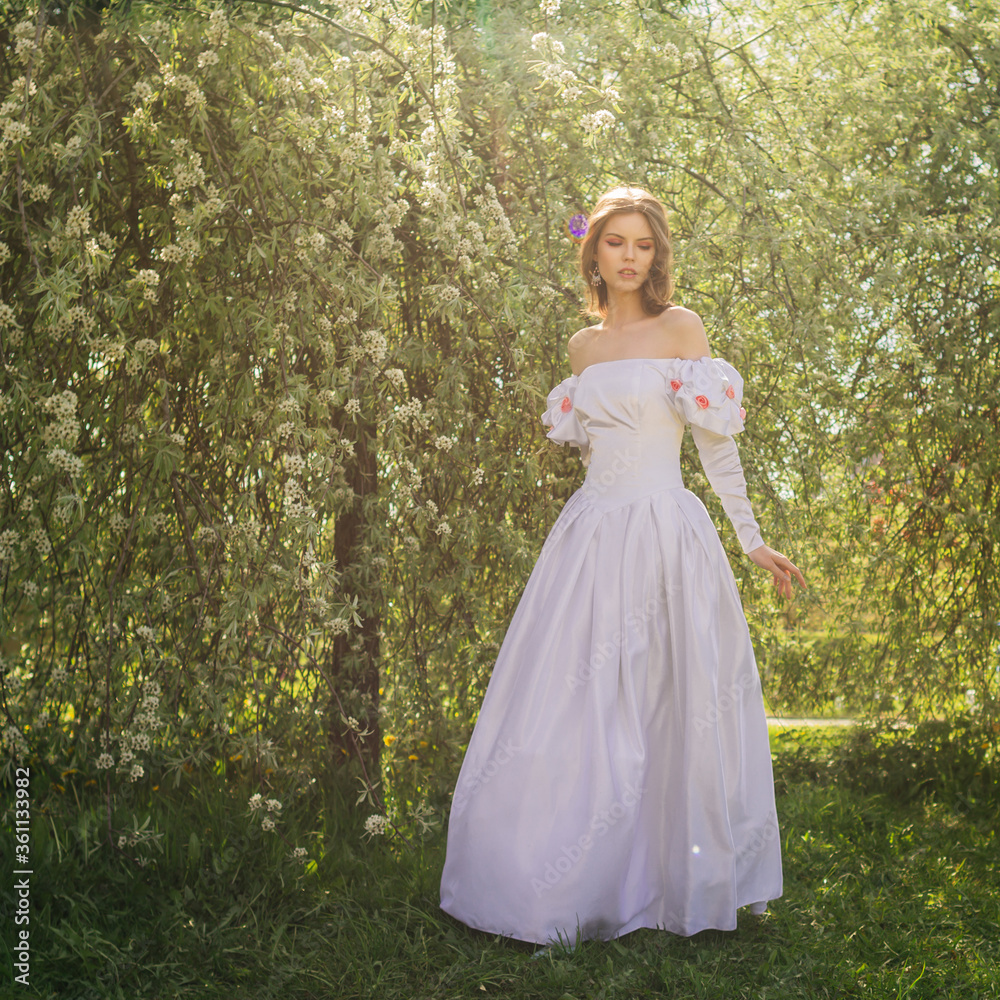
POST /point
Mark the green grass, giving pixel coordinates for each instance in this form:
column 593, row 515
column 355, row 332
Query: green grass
column 891, row 891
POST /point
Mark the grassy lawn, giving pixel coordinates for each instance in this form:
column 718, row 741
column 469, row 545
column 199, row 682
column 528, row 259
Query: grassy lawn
column 890, row 855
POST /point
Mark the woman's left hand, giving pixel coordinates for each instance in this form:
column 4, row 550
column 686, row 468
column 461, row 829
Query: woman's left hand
column 781, row 566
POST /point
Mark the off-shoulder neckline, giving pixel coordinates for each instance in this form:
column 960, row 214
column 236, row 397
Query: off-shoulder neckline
column 615, row 361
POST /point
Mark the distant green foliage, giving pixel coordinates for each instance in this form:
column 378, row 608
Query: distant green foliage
column 282, row 294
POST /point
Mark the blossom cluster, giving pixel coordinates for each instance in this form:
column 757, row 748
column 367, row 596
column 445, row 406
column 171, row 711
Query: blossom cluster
column 64, row 427
column 375, row 826
column 272, row 806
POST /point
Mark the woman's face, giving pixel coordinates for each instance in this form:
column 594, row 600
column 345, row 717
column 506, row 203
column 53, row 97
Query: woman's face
column 625, row 251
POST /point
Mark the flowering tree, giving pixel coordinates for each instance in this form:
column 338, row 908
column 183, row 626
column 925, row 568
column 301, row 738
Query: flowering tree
column 282, row 294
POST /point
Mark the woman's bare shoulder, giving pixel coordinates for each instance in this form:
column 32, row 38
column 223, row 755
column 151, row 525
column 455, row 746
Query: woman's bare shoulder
column 579, row 346
column 684, row 333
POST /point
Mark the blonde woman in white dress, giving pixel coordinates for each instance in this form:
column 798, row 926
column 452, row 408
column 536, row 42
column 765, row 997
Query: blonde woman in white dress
column 619, row 774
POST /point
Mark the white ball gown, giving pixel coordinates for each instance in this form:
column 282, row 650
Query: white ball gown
column 619, row 773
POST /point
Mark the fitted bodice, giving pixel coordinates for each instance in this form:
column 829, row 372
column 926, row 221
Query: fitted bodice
column 633, row 431
column 628, row 417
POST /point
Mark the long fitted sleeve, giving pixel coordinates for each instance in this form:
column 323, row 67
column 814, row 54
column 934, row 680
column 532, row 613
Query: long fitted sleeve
column 721, row 460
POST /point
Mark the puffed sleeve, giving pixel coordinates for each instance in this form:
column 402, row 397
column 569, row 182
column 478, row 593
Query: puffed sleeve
column 561, row 417
column 709, row 394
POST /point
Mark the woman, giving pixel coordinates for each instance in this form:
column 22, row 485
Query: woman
column 619, row 774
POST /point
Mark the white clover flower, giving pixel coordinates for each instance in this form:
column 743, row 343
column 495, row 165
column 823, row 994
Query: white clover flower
column 478, row 476
column 267, row 823
column 273, row 805
column 208, row 58
column 256, row 801
column 671, row 51
column 444, row 443
column 376, row 825
column 549, row 7
column 136, row 773
column 352, row 406
column 449, row 293
column 443, row 528
column 5, row 253
column 340, row 626
column 299, row 854
column 145, row 633
column 689, row 60
column 178, row 439
column 539, row 39
column 30, row 588
column 105, row 761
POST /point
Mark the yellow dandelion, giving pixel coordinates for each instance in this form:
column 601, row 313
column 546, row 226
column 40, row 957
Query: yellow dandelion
column 413, row 756
column 236, row 756
column 424, row 743
column 388, row 739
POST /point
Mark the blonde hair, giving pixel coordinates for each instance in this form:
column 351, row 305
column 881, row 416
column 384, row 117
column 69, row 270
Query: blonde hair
column 658, row 288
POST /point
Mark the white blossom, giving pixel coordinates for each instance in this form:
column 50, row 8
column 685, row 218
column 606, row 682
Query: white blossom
column 597, row 122
column 376, row 825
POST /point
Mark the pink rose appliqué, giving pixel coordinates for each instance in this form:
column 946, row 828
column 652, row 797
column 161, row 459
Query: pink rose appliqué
column 731, row 392
column 702, row 401
column 743, row 413
column 565, row 405
column 675, row 384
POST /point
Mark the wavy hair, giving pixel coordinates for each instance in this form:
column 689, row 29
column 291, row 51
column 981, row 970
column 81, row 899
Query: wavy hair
column 658, row 288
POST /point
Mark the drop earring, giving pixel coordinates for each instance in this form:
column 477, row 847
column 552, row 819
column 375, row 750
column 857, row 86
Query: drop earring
column 595, row 277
